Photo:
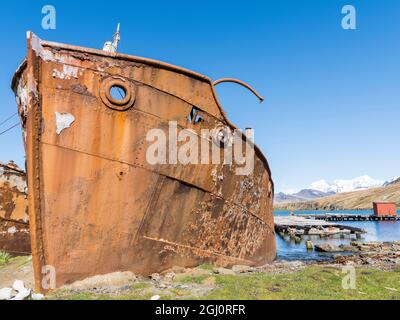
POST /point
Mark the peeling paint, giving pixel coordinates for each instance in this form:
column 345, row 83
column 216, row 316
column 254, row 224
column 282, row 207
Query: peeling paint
column 13, row 181
column 63, row 121
column 38, row 48
column 22, row 96
column 12, row 230
column 32, row 89
column 67, row 73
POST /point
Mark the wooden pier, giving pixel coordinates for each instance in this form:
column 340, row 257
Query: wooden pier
column 348, row 217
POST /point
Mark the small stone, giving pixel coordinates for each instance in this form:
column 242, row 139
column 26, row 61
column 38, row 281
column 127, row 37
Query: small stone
column 162, row 286
column 155, row 277
column 224, row 271
column 242, row 269
column 156, row 297
column 6, row 293
column 37, row 296
column 368, row 261
column 309, row 245
column 169, row 277
column 182, row 286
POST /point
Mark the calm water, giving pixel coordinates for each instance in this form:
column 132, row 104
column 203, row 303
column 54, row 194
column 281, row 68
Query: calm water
column 376, row 231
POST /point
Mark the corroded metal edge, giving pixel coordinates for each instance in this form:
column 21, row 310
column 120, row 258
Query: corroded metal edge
column 33, row 148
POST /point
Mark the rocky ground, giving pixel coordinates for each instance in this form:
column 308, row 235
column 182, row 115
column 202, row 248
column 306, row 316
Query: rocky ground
column 377, row 264
column 377, row 255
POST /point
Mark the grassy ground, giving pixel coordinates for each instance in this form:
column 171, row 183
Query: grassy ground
column 314, row 282
column 4, row 258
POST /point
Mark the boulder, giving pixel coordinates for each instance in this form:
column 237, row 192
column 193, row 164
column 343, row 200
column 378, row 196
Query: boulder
column 242, row 269
column 348, row 248
column 6, row 293
column 22, row 292
column 326, row 247
column 115, row 279
column 169, row 277
column 309, row 245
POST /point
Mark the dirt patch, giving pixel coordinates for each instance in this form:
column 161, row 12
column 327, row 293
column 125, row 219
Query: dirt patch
column 19, row 268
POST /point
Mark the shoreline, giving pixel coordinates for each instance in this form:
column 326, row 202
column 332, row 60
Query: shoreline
column 377, row 265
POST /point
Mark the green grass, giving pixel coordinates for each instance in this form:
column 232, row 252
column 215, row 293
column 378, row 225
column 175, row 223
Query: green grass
column 206, row 267
column 191, row 279
column 314, row 282
column 4, row 258
column 139, row 291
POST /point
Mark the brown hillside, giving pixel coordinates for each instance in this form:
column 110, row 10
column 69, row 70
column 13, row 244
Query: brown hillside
column 349, row 200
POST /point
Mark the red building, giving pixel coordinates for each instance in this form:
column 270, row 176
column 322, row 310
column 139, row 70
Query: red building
column 385, row 209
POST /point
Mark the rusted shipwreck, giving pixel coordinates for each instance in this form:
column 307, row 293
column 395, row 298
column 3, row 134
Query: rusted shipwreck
column 14, row 220
column 96, row 205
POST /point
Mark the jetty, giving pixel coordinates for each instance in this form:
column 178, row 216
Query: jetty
column 297, row 227
column 349, row 217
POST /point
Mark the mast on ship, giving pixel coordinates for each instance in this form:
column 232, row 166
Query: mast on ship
column 112, row 46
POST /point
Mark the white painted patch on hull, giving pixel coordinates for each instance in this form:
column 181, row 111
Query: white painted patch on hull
column 63, row 121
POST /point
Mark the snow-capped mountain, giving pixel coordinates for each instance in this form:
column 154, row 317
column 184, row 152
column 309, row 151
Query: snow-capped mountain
column 322, row 188
column 303, row 195
column 341, row 185
column 392, row 181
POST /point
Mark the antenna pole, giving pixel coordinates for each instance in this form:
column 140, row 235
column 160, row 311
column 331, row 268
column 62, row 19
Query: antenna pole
column 113, row 46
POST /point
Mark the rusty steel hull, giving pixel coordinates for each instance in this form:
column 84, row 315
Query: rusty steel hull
column 14, row 220
column 96, row 205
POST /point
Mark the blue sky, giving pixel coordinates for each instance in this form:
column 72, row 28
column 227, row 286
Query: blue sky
column 332, row 105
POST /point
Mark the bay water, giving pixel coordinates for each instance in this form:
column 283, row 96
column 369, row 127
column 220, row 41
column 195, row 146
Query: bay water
column 376, row 231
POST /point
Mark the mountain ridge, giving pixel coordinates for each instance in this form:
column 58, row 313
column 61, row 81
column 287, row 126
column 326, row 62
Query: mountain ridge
column 302, row 195
column 355, row 200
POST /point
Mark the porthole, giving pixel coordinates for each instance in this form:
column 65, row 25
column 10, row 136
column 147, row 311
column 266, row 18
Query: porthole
column 117, row 94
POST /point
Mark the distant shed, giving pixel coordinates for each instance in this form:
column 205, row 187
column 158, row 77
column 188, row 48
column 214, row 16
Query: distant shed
column 385, row 209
